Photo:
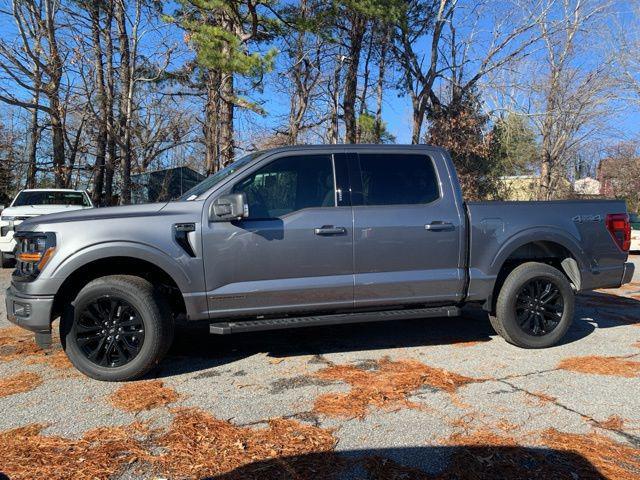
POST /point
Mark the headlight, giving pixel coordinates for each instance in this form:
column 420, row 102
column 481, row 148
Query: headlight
column 33, row 252
column 7, row 218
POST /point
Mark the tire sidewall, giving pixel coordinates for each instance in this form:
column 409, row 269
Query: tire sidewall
column 507, row 305
column 152, row 335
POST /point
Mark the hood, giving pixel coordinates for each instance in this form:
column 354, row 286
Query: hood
column 35, row 210
column 128, row 211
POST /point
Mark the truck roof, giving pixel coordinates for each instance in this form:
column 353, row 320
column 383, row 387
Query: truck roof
column 352, row 147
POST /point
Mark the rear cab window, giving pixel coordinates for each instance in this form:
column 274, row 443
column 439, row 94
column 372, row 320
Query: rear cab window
column 398, row 179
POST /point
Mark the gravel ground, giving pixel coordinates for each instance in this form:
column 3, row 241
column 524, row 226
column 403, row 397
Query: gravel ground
column 248, row 379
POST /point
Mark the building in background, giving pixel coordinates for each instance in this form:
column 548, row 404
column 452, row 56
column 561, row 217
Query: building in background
column 587, row 187
column 163, row 185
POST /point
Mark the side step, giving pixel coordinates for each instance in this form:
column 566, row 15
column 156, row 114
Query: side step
column 224, row 328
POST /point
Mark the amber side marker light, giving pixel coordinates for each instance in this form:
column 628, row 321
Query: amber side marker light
column 40, row 258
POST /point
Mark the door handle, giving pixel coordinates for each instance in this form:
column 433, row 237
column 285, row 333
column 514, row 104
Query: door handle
column 327, row 230
column 439, row 226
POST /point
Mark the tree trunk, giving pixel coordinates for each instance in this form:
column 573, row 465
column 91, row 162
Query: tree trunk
column 101, row 132
column 365, row 87
column 358, row 23
column 334, row 129
column 111, row 127
column 211, row 122
column 52, row 90
column 33, row 140
column 126, row 103
column 226, row 120
column 377, row 129
column 418, row 118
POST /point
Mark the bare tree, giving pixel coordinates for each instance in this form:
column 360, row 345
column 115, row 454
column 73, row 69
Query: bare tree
column 34, row 63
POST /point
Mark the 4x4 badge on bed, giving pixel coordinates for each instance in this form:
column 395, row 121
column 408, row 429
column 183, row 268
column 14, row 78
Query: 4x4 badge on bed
column 587, row 218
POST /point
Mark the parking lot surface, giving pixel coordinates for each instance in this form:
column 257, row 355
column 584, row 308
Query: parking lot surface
column 433, row 398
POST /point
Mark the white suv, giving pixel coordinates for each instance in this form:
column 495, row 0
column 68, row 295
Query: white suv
column 31, row 203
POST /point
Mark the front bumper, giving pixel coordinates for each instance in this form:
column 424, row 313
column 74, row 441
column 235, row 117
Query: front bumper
column 32, row 312
column 627, row 275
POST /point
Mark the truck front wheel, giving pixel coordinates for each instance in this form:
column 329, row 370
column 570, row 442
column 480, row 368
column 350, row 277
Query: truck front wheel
column 117, row 328
column 535, row 306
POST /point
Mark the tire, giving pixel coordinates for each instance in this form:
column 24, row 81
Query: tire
column 146, row 342
column 6, row 261
column 514, row 320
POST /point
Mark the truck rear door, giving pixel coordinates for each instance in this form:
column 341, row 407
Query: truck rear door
column 408, row 228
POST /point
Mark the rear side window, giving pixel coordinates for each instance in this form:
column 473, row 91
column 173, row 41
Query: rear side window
column 289, row 184
column 394, row 179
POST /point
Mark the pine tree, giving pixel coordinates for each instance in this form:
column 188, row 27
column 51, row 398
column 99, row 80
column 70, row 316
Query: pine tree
column 222, row 33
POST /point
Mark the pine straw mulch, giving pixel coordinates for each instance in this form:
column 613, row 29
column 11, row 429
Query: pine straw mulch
column 145, row 395
column 612, row 459
column 196, row 445
column 388, row 386
column 595, row 364
column 17, row 343
column 614, row 422
column 27, row 454
column 19, row 383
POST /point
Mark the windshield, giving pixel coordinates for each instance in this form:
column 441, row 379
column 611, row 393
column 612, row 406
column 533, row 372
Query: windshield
column 51, row 197
column 211, row 180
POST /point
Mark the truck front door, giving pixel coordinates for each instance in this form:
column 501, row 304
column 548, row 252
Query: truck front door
column 408, row 230
column 295, row 250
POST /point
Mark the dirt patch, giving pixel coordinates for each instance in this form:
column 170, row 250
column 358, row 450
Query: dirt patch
column 139, row 396
column 387, row 387
column 19, row 383
column 283, row 384
column 613, row 460
column 594, row 364
column 99, row 454
column 198, row 445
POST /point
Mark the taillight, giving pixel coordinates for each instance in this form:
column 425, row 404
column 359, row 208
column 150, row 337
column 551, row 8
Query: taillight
column 620, row 229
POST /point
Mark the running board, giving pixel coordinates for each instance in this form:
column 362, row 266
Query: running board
column 224, row 328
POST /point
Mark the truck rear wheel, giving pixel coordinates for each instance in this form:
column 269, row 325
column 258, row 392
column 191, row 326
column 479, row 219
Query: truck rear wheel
column 117, row 328
column 535, row 306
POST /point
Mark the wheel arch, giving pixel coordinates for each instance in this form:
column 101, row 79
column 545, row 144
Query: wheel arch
column 83, row 273
column 554, row 248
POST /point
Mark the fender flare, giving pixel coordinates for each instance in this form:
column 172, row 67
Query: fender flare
column 141, row 251
column 543, row 234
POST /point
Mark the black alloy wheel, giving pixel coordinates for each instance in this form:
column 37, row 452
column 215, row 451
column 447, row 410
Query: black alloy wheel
column 539, row 306
column 109, row 332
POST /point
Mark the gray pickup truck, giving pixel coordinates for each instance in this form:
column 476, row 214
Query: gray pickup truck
column 304, row 236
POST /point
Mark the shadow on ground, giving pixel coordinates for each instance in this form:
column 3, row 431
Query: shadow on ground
column 486, row 462
column 195, row 349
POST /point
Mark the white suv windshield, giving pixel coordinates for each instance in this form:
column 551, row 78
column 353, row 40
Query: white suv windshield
column 51, row 197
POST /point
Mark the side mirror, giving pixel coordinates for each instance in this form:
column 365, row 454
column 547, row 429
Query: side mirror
column 229, row 207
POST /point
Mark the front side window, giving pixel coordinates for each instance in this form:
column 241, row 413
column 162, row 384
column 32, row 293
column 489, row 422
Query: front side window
column 394, row 179
column 51, row 197
column 289, row 184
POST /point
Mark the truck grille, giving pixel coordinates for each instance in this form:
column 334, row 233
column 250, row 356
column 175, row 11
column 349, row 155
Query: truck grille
column 4, row 230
